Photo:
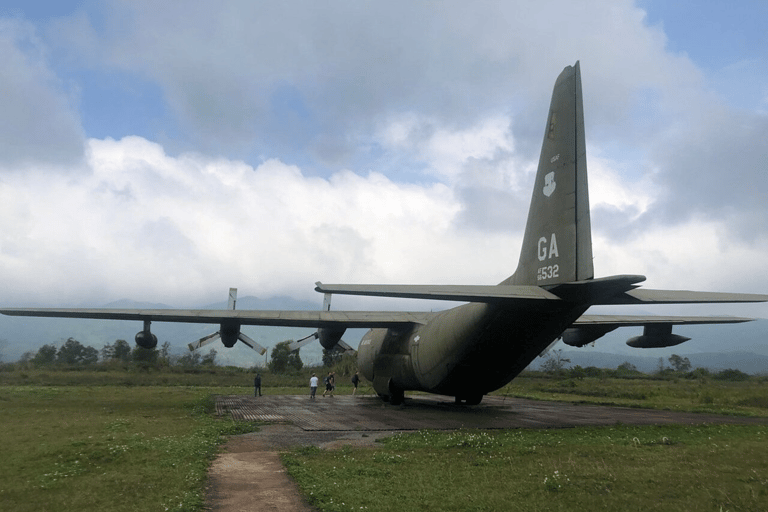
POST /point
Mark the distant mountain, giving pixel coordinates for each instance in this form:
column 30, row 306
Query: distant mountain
column 740, row 346
column 131, row 304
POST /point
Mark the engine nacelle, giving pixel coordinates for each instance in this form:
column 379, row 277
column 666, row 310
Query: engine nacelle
column 657, row 336
column 670, row 340
column 329, row 337
column 585, row 334
column 146, row 339
column 229, row 334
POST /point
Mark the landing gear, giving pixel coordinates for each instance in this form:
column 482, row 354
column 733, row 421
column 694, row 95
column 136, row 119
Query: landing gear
column 397, row 398
column 469, row 400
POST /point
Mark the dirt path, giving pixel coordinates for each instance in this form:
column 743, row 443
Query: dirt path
column 248, row 476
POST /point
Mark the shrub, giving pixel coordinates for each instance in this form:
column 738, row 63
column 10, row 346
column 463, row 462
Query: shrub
column 731, row 374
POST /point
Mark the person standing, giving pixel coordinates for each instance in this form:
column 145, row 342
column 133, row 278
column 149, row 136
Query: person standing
column 257, row 385
column 329, row 384
column 355, row 382
column 312, row 386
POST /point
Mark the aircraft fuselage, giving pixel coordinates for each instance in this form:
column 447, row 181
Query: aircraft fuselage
column 466, row 351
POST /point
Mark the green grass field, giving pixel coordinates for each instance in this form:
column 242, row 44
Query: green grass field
column 110, row 448
column 618, row 468
column 741, row 398
column 131, row 440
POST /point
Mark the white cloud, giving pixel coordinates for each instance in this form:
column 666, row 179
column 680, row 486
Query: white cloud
column 695, row 255
column 445, row 151
column 141, row 223
column 221, row 65
column 612, row 187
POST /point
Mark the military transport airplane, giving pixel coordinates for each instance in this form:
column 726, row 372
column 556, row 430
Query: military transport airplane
column 475, row 348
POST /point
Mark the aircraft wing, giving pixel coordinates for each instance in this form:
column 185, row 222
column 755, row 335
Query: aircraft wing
column 461, row 293
column 282, row 318
column 657, row 330
column 615, row 321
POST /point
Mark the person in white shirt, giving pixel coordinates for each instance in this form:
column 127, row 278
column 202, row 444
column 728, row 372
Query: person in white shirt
column 312, row 386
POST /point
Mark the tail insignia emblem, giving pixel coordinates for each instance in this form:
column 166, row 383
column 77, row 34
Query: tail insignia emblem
column 549, row 184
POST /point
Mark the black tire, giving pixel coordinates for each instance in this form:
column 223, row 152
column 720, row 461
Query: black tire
column 474, row 400
column 469, row 400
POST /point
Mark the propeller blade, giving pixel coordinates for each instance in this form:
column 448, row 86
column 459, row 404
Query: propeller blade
column 204, row 341
column 546, row 350
column 296, row 345
column 232, row 298
column 255, row 346
column 342, row 346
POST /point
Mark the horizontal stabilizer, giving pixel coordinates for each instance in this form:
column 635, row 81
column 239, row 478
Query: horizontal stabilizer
column 594, row 290
column 643, row 296
column 461, row 293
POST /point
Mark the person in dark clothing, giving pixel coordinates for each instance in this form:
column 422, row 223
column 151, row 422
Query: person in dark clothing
column 257, row 385
column 355, row 382
column 330, row 384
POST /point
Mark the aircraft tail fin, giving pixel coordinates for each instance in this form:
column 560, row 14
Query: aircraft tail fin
column 557, row 245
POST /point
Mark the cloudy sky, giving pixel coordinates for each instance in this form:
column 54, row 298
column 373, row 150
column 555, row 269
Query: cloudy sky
column 166, row 151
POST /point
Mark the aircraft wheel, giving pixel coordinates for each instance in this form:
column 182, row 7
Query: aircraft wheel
column 396, row 398
column 474, row 400
column 469, row 400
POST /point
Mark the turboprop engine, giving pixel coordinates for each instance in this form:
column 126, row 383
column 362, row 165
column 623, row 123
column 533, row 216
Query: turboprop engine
column 657, row 336
column 229, row 331
column 330, row 337
column 144, row 338
column 584, row 335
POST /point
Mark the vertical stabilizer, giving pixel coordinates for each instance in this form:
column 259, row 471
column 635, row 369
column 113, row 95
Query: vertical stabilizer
column 557, row 246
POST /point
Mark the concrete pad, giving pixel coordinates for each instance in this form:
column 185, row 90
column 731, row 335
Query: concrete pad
column 370, row 414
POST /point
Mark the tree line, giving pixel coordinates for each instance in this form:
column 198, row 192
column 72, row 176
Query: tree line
column 556, row 364
column 74, row 353
column 285, row 360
